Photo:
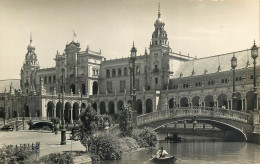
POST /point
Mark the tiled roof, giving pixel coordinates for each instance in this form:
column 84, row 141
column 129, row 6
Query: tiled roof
column 6, row 84
column 213, row 64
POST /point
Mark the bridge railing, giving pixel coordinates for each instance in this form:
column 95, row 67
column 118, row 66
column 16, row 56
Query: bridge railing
column 191, row 112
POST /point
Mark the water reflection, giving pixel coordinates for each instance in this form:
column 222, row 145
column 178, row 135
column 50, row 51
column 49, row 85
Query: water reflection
column 199, row 150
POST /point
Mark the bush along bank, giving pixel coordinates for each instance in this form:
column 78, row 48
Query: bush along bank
column 104, row 146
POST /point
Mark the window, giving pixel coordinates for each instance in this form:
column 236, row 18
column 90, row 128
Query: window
column 156, row 80
column 27, row 82
column 122, row 85
column 97, row 72
column 109, row 86
column 236, row 78
column 45, row 80
column 108, row 73
column 251, row 77
column 49, row 79
column 223, row 80
column 27, row 91
column 93, row 72
column 119, row 72
column 114, row 73
column 125, row 71
column 54, row 79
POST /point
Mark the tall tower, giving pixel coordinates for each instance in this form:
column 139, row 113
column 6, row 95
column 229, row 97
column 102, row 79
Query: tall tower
column 159, row 56
column 28, row 70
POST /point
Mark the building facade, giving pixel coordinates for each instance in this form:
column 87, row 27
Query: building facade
column 164, row 79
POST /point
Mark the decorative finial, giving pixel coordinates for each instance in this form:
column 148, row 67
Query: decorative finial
column 159, row 13
column 133, row 44
column 254, row 41
column 31, row 37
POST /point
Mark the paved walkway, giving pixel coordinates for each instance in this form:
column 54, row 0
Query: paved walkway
column 50, row 142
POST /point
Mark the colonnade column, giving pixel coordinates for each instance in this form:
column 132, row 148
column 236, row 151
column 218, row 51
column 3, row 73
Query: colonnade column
column 71, row 115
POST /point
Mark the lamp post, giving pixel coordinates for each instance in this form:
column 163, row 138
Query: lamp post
column 132, row 68
column 22, row 105
column 233, row 66
column 63, row 130
column 254, row 55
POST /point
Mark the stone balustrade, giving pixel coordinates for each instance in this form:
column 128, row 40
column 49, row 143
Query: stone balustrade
column 191, row 112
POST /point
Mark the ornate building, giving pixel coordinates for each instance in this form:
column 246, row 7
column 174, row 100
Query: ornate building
column 164, row 79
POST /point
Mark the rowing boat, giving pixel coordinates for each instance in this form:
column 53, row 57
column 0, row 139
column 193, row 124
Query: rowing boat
column 167, row 159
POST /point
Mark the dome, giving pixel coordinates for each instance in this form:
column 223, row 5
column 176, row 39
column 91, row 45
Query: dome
column 159, row 22
column 31, row 47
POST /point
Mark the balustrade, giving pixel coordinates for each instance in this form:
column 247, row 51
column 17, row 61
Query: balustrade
column 191, row 112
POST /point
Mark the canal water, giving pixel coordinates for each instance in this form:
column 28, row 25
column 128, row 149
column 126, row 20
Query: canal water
column 199, row 150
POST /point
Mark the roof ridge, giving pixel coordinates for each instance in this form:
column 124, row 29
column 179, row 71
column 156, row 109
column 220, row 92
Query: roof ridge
column 222, row 54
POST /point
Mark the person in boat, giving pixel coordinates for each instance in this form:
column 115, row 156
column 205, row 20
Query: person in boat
column 162, row 153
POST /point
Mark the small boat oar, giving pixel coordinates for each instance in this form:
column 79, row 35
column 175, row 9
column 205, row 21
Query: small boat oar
column 148, row 160
column 178, row 158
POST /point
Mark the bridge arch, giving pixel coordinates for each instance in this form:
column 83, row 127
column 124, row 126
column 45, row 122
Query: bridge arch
column 58, row 109
column 111, row 107
column 94, row 106
column 184, row 102
column 172, row 103
column 196, row 101
column 238, row 104
column 231, row 133
column 209, row 101
column 120, row 104
column 67, row 112
column 95, row 88
column 75, row 111
column 139, row 106
column 26, row 110
column 222, row 101
column 102, row 107
column 149, row 106
column 50, row 109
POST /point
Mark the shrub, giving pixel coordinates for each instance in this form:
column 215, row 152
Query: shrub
column 145, row 137
column 105, row 146
column 125, row 118
column 57, row 158
column 128, row 144
column 12, row 155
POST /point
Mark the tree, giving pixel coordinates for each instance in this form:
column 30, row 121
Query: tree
column 125, row 118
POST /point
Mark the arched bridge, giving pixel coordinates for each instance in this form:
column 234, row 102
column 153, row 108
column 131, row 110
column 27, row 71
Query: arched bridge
column 237, row 125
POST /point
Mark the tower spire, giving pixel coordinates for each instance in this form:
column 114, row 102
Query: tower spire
column 159, row 13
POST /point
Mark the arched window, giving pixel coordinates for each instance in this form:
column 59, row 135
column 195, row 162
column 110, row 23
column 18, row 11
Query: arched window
column 125, row 71
column 113, row 72
column 108, row 73
column 119, row 72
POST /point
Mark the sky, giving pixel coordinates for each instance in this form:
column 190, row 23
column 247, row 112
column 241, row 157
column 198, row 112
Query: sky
column 199, row 28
